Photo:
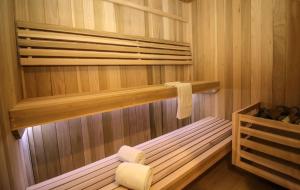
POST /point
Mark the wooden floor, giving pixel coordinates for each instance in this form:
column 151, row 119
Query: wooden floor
column 224, row 176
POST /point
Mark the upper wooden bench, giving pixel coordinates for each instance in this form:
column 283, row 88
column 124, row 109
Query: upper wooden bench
column 42, row 44
column 177, row 158
column 36, row 111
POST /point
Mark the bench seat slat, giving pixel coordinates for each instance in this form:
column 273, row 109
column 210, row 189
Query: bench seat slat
column 167, row 146
column 222, row 147
column 98, row 164
column 195, row 163
column 183, row 144
column 194, row 139
column 176, row 162
column 98, row 172
column 166, row 154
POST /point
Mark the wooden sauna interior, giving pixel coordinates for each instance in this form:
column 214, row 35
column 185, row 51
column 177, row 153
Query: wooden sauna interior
column 248, row 49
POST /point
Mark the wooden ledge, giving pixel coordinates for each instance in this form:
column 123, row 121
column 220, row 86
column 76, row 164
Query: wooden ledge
column 37, row 111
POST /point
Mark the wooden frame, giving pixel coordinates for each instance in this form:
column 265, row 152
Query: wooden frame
column 176, row 158
column 36, row 111
column 41, row 44
column 259, row 149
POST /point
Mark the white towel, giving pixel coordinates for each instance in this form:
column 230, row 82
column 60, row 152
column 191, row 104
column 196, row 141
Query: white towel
column 134, row 176
column 184, row 102
column 130, row 154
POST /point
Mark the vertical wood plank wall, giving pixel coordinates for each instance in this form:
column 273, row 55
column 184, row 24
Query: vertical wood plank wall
column 12, row 166
column 250, row 46
column 59, row 147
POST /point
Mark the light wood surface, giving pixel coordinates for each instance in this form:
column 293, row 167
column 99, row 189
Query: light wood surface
column 31, row 112
column 147, row 9
column 216, row 46
column 14, row 174
column 224, row 176
column 267, row 148
column 246, row 45
column 180, row 154
column 95, row 135
column 66, row 48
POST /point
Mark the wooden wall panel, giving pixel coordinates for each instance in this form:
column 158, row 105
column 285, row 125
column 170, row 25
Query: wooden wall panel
column 249, row 45
column 266, row 51
column 255, row 55
column 77, row 142
column 13, row 173
column 245, row 55
column 292, row 54
column 280, row 41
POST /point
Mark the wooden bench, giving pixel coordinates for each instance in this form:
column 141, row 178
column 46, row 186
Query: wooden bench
column 177, row 158
column 36, row 111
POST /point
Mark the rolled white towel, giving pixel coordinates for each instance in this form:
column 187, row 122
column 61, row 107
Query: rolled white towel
column 130, row 154
column 134, row 176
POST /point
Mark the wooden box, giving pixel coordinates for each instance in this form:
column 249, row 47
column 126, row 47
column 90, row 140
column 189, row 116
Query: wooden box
column 267, row 148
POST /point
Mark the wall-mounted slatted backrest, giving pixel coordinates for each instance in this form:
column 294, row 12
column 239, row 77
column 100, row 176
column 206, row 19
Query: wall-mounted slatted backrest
column 41, row 44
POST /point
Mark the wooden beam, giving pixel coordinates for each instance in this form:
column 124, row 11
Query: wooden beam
column 267, row 149
column 271, row 137
column 37, row 111
column 96, row 47
column 270, row 123
column 90, row 62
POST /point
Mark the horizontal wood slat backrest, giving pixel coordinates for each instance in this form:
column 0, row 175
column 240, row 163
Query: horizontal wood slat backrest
column 41, row 44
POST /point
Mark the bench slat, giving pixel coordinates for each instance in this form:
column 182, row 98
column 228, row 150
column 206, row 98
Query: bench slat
column 177, row 161
column 166, row 154
column 200, row 164
column 181, row 142
column 111, row 159
column 92, row 176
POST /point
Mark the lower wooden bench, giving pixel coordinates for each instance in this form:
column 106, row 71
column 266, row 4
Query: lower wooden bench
column 177, row 158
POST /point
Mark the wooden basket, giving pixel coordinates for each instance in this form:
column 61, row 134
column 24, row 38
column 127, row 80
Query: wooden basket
column 267, row 148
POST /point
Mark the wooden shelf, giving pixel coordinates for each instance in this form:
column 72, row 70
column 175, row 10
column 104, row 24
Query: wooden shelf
column 37, row 111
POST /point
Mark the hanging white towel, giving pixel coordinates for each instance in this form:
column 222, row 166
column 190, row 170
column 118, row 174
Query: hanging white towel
column 134, row 176
column 184, row 100
column 130, row 154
